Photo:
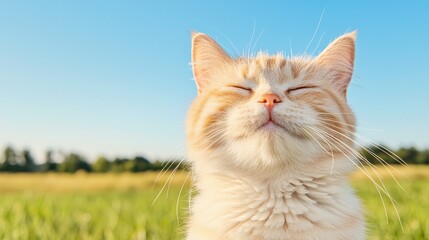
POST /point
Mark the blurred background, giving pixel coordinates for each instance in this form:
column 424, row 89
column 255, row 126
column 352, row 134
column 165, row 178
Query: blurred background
column 94, row 95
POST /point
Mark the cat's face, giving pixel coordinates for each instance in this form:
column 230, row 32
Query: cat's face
column 271, row 112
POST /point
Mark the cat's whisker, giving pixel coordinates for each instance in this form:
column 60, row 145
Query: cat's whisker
column 160, row 192
column 331, row 153
column 382, row 161
column 340, row 123
column 320, row 131
column 388, row 152
column 251, row 39
column 168, row 181
column 339, row 113
column 351, row 125
column 356, row 153
column 161, row 173
column 377, row 186
column 163, row 187
column 318, row 43
column 173, row 173
column 315, row 32
column 213, row 138
column 179, row 195
column 257, row 39
column 211, row 132
column 228, row 50
column 230, row 42
column 384, row 164
column 383, row 149
column 393, row 201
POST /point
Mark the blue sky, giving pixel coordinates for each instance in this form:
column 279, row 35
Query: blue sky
column 113, row 78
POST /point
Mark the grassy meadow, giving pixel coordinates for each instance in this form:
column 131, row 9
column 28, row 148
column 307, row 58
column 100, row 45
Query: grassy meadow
column 121, row 206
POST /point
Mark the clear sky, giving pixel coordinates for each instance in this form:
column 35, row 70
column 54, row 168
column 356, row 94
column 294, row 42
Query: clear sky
column 113, row 78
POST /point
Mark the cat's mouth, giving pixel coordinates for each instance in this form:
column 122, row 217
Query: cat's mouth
column 271, row 124
column 293, row 129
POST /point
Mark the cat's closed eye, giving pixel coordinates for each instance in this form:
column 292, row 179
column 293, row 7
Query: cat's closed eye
column 241, row 88
column 299, row 89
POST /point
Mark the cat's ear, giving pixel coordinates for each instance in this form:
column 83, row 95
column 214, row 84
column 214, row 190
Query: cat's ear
column 338, row 58
column 207, row 56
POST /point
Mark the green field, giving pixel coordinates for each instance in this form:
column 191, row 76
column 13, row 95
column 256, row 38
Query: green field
column 119, row 206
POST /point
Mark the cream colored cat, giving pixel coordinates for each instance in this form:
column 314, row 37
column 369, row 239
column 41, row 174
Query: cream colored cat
column 270, row 141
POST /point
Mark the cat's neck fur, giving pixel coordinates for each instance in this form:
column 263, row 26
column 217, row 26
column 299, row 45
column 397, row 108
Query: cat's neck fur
column 300, row 203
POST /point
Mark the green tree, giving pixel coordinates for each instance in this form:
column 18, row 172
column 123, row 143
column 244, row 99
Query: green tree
column 409, row 155
column 158, row 165
column 169, row 165
column 423, row 157
column 50, row 165
column 138, row 164
column 378, row 154
column 10, row 160
column 28, row 164
column 102, row 164
column 74, row 162
column 118, row 165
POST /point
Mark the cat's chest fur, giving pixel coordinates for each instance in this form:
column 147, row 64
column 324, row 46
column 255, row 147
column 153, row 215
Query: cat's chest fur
column 301, row 206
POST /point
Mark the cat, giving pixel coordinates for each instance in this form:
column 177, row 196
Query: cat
column 270, row 140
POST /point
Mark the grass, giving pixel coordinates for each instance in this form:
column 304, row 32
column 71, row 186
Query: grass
column 119, row 206
column 91, row 206
column 109, row 215
column 412, row 203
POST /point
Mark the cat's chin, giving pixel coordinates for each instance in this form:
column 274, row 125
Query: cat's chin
column 271, row 149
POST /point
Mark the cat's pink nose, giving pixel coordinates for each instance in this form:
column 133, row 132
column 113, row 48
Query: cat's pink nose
column 270, row 99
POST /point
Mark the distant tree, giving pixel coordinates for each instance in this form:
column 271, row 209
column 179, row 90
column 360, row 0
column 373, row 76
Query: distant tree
column 9, row 156
column 50, row 165
column 158, row 165
column 28, row 162
column 10, row 160
column 74, row 162
column 423, row 157
column 366, row 153
column 118, row 165
column 129, row 166
column 102, row 164
column 139, row 164
column 409, row 155
column 378, row 154
column 169, row 165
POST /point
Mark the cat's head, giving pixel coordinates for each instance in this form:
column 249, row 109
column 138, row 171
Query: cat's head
column 270, row 112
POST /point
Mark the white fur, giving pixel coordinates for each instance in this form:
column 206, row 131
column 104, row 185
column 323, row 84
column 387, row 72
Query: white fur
column 307, row 203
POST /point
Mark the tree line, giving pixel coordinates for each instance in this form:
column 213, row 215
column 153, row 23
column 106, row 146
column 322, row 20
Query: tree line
column 23, row 161
column 379, row 154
